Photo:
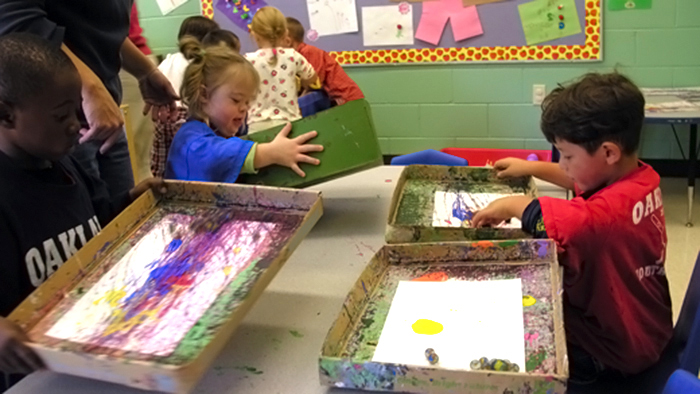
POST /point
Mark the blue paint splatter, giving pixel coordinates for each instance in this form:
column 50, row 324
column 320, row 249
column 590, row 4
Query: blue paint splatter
column 173, row 245
column 460, row 210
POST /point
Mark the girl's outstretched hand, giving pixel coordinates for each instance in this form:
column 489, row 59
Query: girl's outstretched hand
column 288, row 152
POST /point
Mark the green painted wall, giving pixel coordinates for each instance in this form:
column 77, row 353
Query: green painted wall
column 489, row 105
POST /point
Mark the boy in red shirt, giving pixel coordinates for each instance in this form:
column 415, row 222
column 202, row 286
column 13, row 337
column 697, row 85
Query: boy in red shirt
column 339, row 86
column 611, row 237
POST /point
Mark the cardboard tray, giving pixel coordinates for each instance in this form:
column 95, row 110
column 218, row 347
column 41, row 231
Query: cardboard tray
column 443, row 178
column 346, row 356
column 350, row 144
column 152, row 375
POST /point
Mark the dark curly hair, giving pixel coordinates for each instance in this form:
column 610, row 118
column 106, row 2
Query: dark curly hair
column 28, row 63
column 595, row 109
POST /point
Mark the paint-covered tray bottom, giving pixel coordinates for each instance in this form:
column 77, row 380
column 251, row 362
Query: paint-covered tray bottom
column 162, row 293
column 538, row 313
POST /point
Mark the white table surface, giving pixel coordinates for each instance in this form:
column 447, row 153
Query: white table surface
column 305, row 296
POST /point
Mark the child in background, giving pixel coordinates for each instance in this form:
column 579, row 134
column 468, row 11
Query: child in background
column 339, row 86
column 49, row 206
column 277, row 100
column 173, row 67
column 218, row 88
column 612, row 236
column 222, row 37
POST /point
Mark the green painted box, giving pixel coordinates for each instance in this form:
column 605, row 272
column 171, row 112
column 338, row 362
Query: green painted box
column 411, row 215
column 346, row 356
column 350, row 145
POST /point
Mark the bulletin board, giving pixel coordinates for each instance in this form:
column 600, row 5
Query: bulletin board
column 504, row 38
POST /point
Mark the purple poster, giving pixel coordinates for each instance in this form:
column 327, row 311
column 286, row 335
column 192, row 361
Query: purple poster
column 240, row 12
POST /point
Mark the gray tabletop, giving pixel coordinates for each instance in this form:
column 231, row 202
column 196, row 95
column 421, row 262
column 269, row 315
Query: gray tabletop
column 283, row 333
column 692, row 116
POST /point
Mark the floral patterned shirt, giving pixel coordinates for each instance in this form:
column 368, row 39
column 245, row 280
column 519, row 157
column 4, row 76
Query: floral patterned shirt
column 277, row 97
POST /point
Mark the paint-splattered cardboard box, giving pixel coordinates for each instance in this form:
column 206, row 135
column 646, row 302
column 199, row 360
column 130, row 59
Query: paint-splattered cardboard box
column 151, row 300
column 436, row 204
column 346, row 358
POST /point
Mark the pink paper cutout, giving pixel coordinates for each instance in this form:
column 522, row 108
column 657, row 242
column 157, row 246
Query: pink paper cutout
column 466, row 24
column 465, row 21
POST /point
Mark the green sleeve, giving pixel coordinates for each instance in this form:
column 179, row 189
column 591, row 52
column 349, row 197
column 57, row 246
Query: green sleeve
column 249, row 164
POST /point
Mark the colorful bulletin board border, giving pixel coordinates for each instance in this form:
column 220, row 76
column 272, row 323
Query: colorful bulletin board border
column 592, row 50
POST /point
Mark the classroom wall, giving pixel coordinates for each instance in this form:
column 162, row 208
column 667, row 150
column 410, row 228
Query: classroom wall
column 490, row 105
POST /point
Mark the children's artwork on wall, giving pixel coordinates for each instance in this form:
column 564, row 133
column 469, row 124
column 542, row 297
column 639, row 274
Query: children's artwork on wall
column 478, row 2
column 456, row 209
column 460, row 320
column 547, row 20
column 465, row 21
column 240, row 12
column 156, row 292
column 490, row 32
column 618, row 5
column 387, row 25
column 331, row 17
column 168, row 6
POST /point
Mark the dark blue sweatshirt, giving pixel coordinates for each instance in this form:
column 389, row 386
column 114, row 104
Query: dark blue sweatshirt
column 93, row 29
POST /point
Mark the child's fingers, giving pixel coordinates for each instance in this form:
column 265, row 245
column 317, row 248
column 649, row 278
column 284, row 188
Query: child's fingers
column 14, row 361
column 30, row 358
column 304, row 138
column 310, row 148
column 285, row 130
column 308, row 159
column 295, row 168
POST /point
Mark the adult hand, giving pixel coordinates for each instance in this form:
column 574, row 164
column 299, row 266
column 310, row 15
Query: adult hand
column 159, row 96
column 105, row 120
column 15, row 356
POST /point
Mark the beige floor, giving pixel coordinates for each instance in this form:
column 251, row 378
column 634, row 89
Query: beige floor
column 683, row 242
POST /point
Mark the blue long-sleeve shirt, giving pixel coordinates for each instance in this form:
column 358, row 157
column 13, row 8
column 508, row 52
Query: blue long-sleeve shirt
column 199, row 154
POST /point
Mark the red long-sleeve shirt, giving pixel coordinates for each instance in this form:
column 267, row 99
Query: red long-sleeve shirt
column 339, row 86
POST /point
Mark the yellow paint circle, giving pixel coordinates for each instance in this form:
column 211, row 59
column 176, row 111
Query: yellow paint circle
column 426, row 327
column 529, row 300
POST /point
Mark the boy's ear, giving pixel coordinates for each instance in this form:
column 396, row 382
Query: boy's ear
column 613, row 152
column 7, row 115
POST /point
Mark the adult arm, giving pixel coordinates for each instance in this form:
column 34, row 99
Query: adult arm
column 157, row 92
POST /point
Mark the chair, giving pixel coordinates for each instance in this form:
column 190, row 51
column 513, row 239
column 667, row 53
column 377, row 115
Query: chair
column 682, row 382
column 429, row 157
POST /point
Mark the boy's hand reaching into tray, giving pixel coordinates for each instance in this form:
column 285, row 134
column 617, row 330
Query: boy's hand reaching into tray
column 512, row 167
column 501, row 210
column 15, row 355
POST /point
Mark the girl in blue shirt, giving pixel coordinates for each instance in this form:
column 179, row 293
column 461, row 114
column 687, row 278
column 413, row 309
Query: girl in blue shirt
column 218, row 87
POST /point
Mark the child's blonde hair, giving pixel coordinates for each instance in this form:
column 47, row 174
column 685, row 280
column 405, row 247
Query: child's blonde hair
column 208, row 70
column 270, row 24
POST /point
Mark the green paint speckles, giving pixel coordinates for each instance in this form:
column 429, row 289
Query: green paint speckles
column 203, row 331
column 296, row 334
column 251, row 370
column 328, row 367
